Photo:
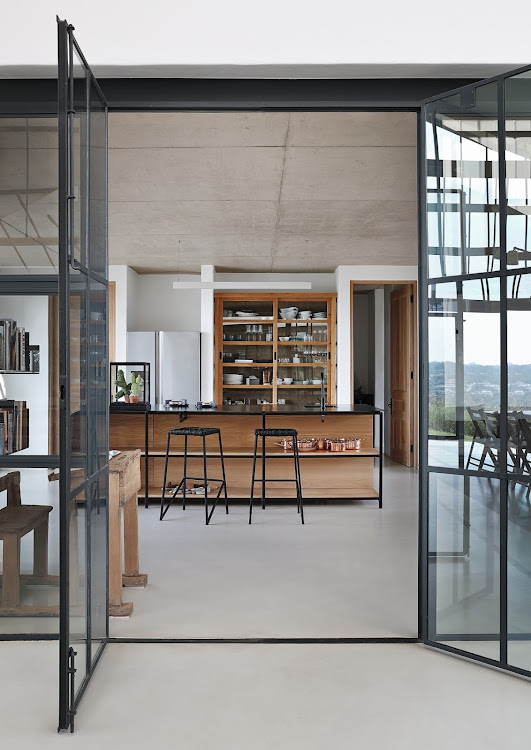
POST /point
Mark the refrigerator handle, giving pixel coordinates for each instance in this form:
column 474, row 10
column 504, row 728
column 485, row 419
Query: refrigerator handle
column 158, row 368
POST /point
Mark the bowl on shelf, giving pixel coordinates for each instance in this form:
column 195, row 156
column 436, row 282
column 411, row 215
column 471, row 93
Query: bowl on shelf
column 316, row 381
column 287, row 381
column 283, row 338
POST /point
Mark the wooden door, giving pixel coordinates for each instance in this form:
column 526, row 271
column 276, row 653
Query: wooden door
column 402, row 375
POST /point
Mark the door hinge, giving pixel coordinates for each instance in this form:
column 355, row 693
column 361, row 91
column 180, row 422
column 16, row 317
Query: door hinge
column 71, row 676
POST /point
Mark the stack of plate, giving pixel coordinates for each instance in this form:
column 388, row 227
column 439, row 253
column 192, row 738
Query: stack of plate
column 230, row 378
column 305, row 314
column 288, row 313
column 319, row 316
column 246, row 314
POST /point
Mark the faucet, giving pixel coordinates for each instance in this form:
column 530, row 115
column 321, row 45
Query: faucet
column 323, row 398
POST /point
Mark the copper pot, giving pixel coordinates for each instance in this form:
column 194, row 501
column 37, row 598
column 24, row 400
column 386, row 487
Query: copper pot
column 336, row 445
column 320, row 443
column 306, row 444
column 354, row 444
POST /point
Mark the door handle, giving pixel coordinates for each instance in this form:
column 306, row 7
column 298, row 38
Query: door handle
column 390, row 407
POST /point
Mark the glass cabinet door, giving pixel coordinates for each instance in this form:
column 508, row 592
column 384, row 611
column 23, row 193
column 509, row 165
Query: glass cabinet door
column 274, row 349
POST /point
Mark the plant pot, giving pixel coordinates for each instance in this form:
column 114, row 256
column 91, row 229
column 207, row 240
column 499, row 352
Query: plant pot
column 127, row 399
column 134, row 399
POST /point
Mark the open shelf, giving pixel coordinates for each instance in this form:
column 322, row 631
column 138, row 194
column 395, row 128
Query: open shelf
column 247, row 386
column 19, row 372
column 248, row 364
column 244, row 342
column 303, row 322
column 296, row 343
column 315, row 387
column 241, row 492
column 271, row 452
column 237, row 321
column 302, row 364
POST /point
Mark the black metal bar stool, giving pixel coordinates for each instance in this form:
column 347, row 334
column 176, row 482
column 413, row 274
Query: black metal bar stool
column 201, row 432
column 280, row 432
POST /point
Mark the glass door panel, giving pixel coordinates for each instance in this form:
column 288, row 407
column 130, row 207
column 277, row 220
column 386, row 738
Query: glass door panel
column 83, row 366
column 477, row 475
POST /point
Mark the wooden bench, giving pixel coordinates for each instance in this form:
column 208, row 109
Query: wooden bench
column 17, row 520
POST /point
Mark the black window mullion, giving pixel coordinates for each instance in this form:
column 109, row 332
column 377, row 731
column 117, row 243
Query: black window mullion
column 502, row 453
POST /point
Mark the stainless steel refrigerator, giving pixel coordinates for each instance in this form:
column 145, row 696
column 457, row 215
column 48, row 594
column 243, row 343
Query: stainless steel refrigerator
column 175, row 360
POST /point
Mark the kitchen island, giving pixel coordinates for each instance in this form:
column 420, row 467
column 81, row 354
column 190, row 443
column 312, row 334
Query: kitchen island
column 343, row 475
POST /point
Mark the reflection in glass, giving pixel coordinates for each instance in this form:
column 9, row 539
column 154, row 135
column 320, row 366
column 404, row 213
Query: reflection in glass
column 463, row 223
column 463, row 562
column 28, row 195
column 519, row 574
column 464, row 374
column 518, row 169
column 519, row 372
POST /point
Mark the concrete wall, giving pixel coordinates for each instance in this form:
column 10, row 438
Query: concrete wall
column 240, row 33
column 30, row 313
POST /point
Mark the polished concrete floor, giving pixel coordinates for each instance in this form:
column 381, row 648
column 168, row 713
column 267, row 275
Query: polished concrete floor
column 258, row 697
column 350, row 571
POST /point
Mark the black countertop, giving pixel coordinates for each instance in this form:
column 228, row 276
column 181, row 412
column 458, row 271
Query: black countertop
column 254, row 409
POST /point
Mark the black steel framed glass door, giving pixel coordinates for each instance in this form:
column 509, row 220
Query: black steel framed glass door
column 476, row 371
column 83, row 368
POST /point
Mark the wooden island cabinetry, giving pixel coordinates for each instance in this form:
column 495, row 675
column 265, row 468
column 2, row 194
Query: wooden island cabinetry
column 347, row 475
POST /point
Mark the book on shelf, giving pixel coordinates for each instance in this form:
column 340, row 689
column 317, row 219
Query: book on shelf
column 14, row 426
column 16, row 354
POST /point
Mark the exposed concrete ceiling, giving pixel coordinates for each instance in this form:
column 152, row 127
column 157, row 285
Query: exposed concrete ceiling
column 255, row 192
column 262, row 192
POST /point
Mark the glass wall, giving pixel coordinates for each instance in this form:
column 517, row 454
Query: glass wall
column 477, row 364
column 29, row 415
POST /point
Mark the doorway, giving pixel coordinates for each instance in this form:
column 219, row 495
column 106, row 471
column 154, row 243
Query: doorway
column 384, row 360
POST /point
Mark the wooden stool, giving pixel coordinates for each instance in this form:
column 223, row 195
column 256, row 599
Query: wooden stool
column 17, row 520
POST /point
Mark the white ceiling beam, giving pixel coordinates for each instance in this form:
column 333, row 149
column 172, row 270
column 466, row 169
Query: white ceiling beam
column 247, row 285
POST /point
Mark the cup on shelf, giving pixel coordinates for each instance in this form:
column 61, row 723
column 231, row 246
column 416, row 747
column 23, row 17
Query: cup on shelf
column 287, row 381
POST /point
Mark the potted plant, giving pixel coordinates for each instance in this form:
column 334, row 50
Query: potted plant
column 124, row 388
column 135, row 388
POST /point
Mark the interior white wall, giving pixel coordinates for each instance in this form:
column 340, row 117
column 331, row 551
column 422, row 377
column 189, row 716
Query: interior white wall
column 237, row 32
column 344, row 275
column 118, row 274
column 157, row 306
column 30, row 313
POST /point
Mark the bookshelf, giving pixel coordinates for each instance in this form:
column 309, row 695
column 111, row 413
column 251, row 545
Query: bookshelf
column 17, row 355
column 14, row 426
